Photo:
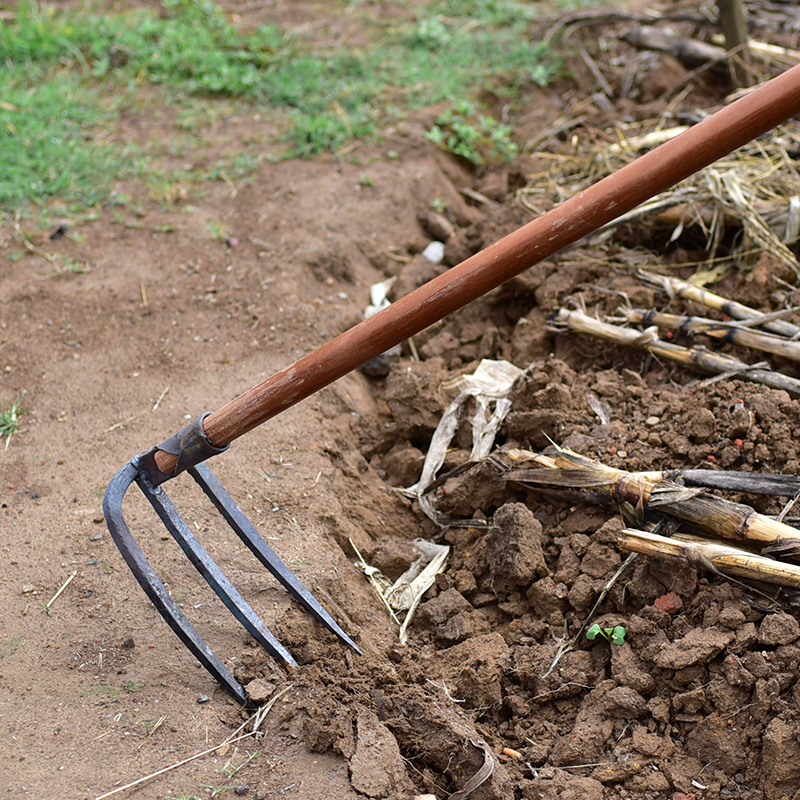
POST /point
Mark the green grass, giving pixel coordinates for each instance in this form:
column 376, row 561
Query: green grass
column 46, row 133
column 9, row 417
column 473, row 136
column 67, row 75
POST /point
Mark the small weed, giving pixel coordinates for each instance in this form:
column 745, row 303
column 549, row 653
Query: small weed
column 9, row 417
column 615, row 635
column 241, row 166
column 320, row 133
column 439, row 205
column 230, row 770
column 75, row 267
column 168, row 189
column 478, row 138
column 150, row 727
column 217, row 231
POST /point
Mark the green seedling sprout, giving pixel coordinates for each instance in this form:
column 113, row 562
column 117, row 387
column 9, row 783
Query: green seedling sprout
column 615, row 635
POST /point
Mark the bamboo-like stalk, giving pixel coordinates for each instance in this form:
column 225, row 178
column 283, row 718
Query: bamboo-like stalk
column 712, row 556
column 771, row 483
column 688, row 291
column 696, row 357
column 729, row 332
column 569, row 472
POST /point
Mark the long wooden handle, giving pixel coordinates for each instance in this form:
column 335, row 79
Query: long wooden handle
column 656, row 171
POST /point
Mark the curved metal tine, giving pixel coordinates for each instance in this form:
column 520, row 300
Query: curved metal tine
column 212, row 574
column 154, row 588
column 248, row 533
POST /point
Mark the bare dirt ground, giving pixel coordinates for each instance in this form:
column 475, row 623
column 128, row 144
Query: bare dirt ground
column 701, row 701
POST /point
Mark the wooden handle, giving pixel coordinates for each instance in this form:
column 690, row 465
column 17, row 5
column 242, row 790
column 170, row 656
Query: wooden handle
column 656, row 171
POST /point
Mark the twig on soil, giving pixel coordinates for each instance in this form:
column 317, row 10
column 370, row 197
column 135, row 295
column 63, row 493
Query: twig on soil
column 443, row 687
column 55, row 597
column 160, row 398
column 26, row 242
column 788, row 507
column 479, row 198
column 120, row 424
column 257, row 719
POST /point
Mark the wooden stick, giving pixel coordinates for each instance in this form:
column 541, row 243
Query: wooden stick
column 657, row 170
column 58, row 593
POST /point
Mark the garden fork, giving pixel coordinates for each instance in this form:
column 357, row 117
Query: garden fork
column 716, row 136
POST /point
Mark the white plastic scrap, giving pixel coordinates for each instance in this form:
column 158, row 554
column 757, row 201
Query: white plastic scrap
column 489, row 385
column 379, row 297
column 434, row 252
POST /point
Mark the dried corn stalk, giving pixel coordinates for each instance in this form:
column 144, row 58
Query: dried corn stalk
column 696, row 357
column 729, row 331
column 675, row 287
column 712, row 556
column 640, row 493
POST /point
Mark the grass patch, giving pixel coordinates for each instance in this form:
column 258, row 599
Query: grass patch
column 9, row 417
column 67, row 74
column 476, row 137
column 50, row 146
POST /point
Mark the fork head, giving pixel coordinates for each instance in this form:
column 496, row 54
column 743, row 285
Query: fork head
column 192, row 447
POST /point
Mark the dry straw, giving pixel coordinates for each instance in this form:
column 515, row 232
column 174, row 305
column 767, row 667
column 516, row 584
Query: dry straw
column 756, row 189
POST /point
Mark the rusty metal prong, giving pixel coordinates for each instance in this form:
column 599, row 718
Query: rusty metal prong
column 248, row 533
column 152, row 585
column 211, row 573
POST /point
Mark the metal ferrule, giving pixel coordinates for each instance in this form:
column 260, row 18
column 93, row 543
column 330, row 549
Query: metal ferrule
column 190, row 445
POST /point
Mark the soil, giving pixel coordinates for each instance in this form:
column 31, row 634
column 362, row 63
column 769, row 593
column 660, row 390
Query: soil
column 701, row 700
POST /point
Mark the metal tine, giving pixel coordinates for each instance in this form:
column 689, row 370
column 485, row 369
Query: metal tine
column 248, row 533
column 212, row 574
column 154, row 588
